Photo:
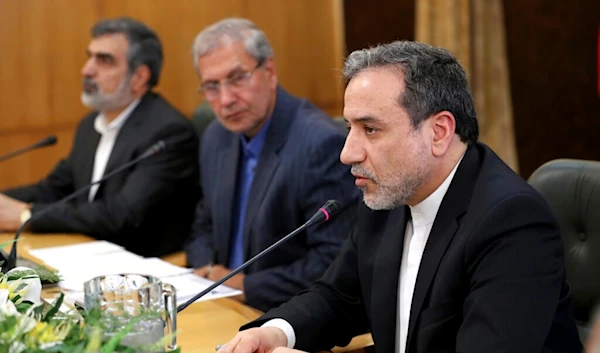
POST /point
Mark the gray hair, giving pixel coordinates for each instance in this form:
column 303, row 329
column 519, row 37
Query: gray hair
column 144, row 45
column 235, row 29
column 434, row 81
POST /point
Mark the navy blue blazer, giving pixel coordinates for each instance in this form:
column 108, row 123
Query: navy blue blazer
column 297, row 171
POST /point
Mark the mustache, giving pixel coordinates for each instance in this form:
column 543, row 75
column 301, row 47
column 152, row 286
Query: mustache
column 88, row 81
column 358, row 169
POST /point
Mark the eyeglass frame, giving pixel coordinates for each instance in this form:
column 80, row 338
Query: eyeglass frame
column 238, row 79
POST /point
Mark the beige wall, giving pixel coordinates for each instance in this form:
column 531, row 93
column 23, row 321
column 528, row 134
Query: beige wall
column 43, row 48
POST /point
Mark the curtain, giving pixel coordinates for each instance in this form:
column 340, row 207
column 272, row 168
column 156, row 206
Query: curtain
column 474, row 31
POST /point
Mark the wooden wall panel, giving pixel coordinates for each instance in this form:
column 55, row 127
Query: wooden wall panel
column 552, row 51
column 69, row 40
column 44, row 44
column 36, row 164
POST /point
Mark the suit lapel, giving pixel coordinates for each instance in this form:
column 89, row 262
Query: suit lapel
column 268, row 162
column 88, row 154
column 226, row 185
column 453, row 205
column 121, row 152
column 386, row 272
column 265, row 169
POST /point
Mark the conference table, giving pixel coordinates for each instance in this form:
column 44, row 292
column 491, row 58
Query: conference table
column 202, row 325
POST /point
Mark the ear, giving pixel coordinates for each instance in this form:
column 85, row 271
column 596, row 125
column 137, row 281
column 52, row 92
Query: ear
column 140, row 78
column 443, row 126
column 271, row 71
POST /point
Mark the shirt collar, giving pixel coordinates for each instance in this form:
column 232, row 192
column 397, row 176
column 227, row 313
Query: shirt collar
column 253, row 147
column 102, row 126
column 425, row 211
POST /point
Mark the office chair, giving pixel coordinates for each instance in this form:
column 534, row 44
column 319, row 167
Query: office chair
column 572, row 189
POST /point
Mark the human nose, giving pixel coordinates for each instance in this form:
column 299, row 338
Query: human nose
column 226, row 96
column 353, row 152
column 88, row 69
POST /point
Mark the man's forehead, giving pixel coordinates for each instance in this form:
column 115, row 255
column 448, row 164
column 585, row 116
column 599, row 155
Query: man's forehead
column 113, row 43
column 372, row 94
column 223, row 59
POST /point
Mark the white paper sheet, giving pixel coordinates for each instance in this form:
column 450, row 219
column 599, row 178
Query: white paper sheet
column 79, row 263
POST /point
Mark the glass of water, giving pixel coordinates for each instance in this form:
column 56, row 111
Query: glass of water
column 125, row 297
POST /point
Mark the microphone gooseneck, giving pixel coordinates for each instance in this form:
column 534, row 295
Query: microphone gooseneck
column 324, row 213
column 11, row 261
column 48, row 141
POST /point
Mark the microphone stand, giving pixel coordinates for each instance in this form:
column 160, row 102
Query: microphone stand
column 11, row 261
column 323, row 214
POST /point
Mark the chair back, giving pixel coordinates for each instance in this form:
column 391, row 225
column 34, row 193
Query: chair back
column 572, row 188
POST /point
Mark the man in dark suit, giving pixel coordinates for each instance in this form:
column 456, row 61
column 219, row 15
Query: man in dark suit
column 267, row 163
column 148, row 208
column 452, row 251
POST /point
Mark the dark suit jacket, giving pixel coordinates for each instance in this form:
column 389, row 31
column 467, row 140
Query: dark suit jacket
column 298, row 170
column 491, row 279
column 148, row 208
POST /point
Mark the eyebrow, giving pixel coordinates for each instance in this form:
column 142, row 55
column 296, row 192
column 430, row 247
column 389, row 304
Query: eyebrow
column 365, row 120
column 100, row 55
column 232, row 72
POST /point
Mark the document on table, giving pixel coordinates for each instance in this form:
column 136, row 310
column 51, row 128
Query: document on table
column 79, row 263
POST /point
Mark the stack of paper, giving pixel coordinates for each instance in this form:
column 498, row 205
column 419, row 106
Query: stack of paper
column 79, row 263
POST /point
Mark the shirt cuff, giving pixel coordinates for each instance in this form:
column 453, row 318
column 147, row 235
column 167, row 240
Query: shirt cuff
column 285, row 327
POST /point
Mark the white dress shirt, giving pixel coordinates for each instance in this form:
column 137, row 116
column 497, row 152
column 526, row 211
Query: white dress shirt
column 416, row 234
column 108, row 135
column 415, row 238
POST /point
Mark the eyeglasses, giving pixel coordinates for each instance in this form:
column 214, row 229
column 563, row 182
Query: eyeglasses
column 235, row 83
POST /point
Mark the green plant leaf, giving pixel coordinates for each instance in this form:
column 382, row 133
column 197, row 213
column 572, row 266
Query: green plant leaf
column 9, row 242
column 54, row 309
column 23, row 306
column 48, row 275
column 110, row 346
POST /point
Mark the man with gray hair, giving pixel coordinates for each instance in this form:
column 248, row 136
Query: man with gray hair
column 267, row 163
column 148, row 208
column 452, row 251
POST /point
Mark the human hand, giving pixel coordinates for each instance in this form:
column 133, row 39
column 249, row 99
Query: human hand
column 216, row 272
column 260, row 340
column 10, row 212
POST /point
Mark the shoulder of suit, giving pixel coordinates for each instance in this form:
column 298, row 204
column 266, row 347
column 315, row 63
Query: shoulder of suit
column 313, row 124
column 158, row 107
column 497, row 182
column 87, row 121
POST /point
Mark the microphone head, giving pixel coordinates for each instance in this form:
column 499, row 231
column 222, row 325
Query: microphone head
column 48, row 141
column 326, row 211
column 154, row 149
column 159, row 146
column 332, row 207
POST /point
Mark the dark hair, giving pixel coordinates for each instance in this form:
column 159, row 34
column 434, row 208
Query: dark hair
column 144, row 45
column 434, row 81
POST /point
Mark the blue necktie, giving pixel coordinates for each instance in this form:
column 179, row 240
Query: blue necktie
column 236, row 255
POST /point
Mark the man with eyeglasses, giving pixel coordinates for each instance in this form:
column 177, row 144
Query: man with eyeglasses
column 267, row 163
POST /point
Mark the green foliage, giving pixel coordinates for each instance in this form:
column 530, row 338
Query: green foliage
column 47, row 275
column 41, row 328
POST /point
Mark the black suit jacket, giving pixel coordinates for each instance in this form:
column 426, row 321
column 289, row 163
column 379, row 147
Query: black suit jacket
column 491, row 279
column 148, row 208
column 297, row 171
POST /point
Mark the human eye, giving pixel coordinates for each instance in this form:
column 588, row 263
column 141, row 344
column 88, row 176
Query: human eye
column 210, row 87
column 105, row 59
column 369, row 130
column 237, row 79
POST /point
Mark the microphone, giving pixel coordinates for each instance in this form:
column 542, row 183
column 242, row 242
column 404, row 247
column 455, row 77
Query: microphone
column 11, row 261
column 324, row 213
column 48, row 141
